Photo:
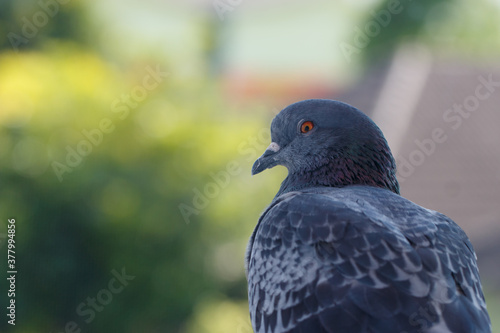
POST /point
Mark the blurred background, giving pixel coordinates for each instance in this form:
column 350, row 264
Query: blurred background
column 128, row 130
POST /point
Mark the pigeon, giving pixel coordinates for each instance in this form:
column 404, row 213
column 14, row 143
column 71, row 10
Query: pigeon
column 340, row 250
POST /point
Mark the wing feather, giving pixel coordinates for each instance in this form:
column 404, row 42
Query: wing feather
column 335, row 260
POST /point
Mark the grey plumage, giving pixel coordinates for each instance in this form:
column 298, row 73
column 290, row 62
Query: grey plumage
column 339, row 250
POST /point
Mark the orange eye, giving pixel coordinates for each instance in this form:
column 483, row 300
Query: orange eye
column 306, row 126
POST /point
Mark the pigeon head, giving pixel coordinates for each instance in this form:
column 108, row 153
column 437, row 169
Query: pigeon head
column 328, row 143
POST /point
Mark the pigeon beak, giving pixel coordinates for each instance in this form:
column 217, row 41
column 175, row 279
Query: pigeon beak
column 267, row 160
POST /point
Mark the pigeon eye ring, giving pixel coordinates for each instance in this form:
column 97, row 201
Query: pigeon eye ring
column 305, row 126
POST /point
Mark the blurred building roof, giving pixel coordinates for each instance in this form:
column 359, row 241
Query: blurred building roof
column 413, row 95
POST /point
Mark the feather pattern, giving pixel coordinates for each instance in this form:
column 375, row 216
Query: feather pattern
column 361, row 259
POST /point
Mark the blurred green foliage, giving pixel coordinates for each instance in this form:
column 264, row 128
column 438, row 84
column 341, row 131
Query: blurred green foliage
column 29, row 24
column 119, row 207
column 454, row 28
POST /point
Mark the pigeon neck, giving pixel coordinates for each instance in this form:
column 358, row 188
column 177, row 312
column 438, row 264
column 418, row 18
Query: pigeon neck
column 341, row 171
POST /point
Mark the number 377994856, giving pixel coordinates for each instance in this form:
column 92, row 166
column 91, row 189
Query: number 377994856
column 11, row 254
